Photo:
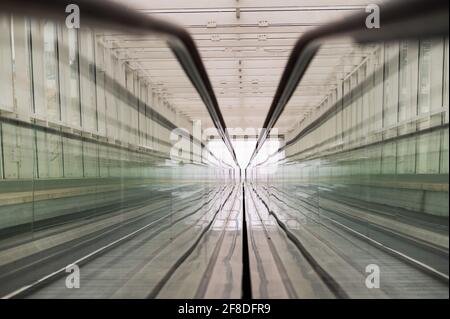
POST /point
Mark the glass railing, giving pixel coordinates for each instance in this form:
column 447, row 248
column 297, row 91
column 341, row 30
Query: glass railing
column 100, row 140
column 362, row 178
column 366, row 165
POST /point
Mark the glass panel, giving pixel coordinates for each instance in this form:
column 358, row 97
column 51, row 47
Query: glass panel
column 107, row 143
column 6, row 65
column 369, row 170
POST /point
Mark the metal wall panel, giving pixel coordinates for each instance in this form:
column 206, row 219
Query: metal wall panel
column 6, row 83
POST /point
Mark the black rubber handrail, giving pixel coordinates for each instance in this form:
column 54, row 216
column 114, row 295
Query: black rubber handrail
column 113, row 16
column 399, row 20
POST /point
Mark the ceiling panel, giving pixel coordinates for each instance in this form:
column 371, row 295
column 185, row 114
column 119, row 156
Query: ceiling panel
column 244, row 45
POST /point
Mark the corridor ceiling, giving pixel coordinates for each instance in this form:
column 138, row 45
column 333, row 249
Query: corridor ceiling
column 244, row 45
